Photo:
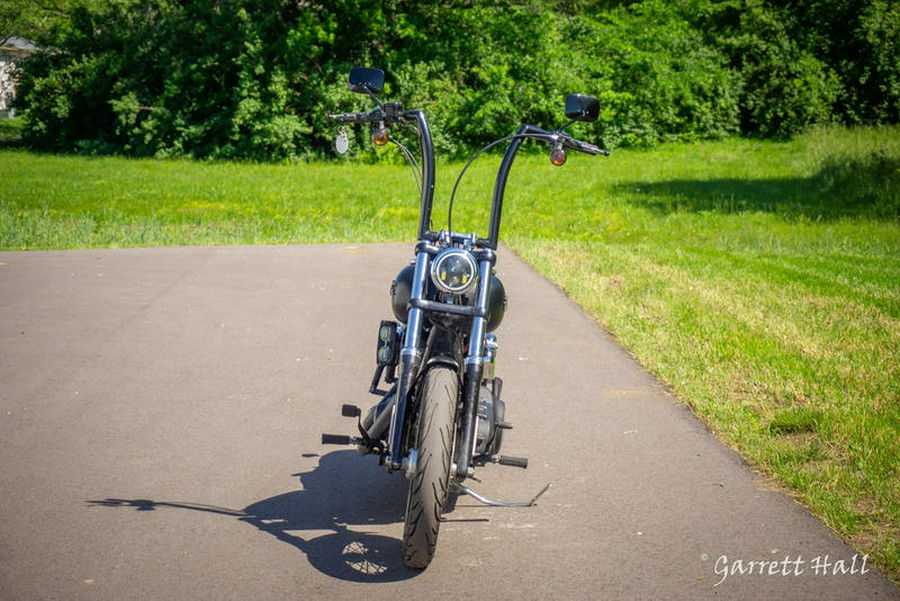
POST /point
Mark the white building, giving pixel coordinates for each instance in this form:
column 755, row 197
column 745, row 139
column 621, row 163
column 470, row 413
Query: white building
column 12, row 50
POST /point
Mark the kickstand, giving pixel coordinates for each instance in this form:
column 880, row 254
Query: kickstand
column 468, row 491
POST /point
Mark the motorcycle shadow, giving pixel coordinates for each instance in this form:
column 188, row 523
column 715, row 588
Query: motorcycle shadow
column 345, row 497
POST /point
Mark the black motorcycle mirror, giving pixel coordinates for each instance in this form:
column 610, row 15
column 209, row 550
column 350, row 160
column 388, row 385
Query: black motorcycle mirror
column 366, row 80
column 582, row 108
column 369, row 80
column 578, row 108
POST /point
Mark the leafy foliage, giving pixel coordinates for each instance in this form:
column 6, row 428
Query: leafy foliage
column 657, row 79
column 784, row 87
column 860, row 41
column 254, row 79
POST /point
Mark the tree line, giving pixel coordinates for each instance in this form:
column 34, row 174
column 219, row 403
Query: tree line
column 253, row 79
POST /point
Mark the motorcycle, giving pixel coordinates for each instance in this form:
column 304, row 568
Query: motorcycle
column 442, row 415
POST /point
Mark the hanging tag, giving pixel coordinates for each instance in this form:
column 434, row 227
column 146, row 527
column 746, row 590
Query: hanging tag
column 342, row 142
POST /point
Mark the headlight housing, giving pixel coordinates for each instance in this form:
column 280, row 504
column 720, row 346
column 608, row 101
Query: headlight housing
column 454, row 270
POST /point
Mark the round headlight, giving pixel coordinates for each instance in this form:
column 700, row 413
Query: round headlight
column 454, row 270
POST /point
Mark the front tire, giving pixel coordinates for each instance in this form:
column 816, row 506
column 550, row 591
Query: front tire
column 430, row 485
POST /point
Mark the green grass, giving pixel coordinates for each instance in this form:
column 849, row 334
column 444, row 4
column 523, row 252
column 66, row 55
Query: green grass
column 760, row 281
column 75, row 202
column 10, row 131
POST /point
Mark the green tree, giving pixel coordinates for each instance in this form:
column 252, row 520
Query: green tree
column 860, row 41
column 783, row 87
column 254, row 79
column 160, row 78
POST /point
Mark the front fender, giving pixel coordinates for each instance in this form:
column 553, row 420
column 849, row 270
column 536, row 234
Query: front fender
column 444, row 348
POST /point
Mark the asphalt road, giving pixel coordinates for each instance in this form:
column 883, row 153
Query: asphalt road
column 160, row 421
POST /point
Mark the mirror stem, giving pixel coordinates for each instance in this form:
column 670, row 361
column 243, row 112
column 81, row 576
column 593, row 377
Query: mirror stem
column 375, row 98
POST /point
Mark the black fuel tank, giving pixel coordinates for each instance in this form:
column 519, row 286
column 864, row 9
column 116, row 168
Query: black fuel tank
column 401, row 290
column 496, row 304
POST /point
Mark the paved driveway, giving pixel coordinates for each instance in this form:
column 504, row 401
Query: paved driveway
column 160, row 415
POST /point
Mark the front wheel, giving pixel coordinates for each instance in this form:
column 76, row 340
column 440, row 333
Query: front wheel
column 430, row 484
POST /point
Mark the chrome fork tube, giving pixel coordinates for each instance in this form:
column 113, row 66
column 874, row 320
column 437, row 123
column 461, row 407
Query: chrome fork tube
column 474, row 371
column 410, row 358
column 479, row 324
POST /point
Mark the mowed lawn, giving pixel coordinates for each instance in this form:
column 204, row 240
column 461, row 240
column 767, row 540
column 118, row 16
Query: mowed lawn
column 760, row 281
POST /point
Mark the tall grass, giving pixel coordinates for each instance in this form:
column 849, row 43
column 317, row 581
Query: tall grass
column 760, row 281
column 74, row 202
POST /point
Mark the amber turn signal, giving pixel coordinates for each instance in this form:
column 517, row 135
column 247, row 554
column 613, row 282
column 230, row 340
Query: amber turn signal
column 380, row 137
column 558, row 157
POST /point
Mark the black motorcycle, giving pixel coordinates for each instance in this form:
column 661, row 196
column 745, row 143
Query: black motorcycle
column 442, row 415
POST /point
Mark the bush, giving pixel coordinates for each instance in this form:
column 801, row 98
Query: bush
column 658, row 80
column 150, row 78
column 783, row 88
column 254, row 79
column 860, row 41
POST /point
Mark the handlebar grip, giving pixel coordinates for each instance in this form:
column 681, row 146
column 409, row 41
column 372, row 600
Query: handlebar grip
column 351, row 117
column 587, row 148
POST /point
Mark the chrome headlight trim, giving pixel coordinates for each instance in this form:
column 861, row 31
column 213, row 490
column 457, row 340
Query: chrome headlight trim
column 454, row 270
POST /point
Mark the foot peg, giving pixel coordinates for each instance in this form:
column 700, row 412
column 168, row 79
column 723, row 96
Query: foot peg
column 340, row 439
column 521, row 462
column 350, row 411
column 363, row 442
